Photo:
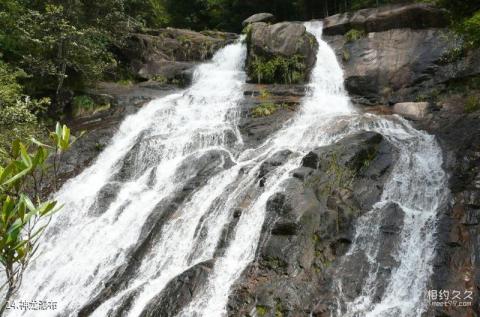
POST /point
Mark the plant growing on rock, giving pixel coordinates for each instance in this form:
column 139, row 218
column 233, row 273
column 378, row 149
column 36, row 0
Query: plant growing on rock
column 278, row 70
column 354, row 35
column 24, row 213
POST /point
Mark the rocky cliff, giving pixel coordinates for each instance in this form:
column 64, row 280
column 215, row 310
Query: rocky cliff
column 395, row 59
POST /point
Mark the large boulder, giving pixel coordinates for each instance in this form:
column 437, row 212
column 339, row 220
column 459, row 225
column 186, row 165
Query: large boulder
column 310, row 225
column 415, row 16
column 259, row 17
column 412, row 110
column 401, row 65
column 283, row 53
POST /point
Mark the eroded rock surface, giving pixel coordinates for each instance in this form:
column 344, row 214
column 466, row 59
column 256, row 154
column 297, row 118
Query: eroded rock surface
column 169, row 53
column 311, row 224
column 414, row 16
column 282, row 53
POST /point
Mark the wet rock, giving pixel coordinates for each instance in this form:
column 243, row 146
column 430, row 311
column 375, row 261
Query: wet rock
column 412, row 110
column 179, row 291
column 402, row 65
column 283, row 53
column 167, row 54
column 256, row 129
column 310, row 225
column 276, row 160
column 195, row 172
column 259, row 17
column 415, row 16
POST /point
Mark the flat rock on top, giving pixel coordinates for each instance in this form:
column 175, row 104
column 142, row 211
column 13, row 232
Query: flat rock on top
column 414, row 16
column 259, row 17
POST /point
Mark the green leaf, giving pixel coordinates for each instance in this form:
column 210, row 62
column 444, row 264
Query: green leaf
column 28, row 203
column 27, row 160
column 16, row 148
column 17, row 176
column 40, row 144
column 6, row 172
column 48, row 208
column 65, row 139
column 58, row 130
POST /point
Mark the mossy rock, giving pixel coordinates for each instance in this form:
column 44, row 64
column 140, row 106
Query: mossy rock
column 282, row 53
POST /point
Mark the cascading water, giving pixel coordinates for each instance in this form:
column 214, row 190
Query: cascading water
column 161, row 143
column 83, row 248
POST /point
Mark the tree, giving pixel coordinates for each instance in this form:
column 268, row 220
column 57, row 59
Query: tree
column 24, row 213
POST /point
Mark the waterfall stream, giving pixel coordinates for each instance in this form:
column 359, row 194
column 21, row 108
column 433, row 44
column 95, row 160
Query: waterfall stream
column 155, row 153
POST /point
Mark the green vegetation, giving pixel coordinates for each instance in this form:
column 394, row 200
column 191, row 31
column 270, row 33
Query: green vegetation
column 266, row 109
column 24, row 211
column 354, row 35
column 261, row 310
column 472, row 104
column 278, row 70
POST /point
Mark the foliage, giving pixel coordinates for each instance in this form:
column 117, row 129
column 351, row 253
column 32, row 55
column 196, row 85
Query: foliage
column 266, row 109
column 10, row 89
column 278, row 69
column 470, row 28
column 24, row 214
column 472, row 104
column 354, row 35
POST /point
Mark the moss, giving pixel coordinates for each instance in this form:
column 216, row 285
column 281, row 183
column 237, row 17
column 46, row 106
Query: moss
column 125, row 82
column 281, row 70
column 261, row 310
column 278, row 309
column 472, row 104
column 266, row 109
column 85, row 105
column 354, row 35
column 160, row 79
column 345, row 55
column 264, row 94
column 274, row 263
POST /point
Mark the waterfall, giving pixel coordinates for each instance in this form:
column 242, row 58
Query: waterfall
column 137, row 180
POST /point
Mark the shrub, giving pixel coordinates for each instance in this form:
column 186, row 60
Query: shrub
column 354, row 35
column 82, row 105
column 279, row 69
column 470, row 28
column 472, row 104
column 264, row 109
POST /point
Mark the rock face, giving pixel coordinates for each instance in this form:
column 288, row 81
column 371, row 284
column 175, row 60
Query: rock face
column 259, row 17
column 412, row 110
column 282, row 53
column 457, row 265
column 403, row 64
column 285, row 100
column 423, row 62
column 178, row 292
column 414, row 16
column 310, row 225
column 168, row 53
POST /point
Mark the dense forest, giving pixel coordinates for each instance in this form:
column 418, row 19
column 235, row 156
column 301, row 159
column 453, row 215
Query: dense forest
column 49, row 48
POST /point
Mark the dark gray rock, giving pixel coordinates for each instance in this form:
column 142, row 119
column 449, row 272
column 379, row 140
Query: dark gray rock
column 415, row 16
column 202, row 168
column 167, row 54
column 259, row 17
column 403, row 65
column 279, row 45
column 309, row 226
column 179, row 291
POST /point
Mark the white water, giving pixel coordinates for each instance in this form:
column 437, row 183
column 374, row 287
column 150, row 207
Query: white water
column 83, row 249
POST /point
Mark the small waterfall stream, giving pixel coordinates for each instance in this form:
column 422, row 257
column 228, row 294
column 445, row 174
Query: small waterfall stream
column 163, row 144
